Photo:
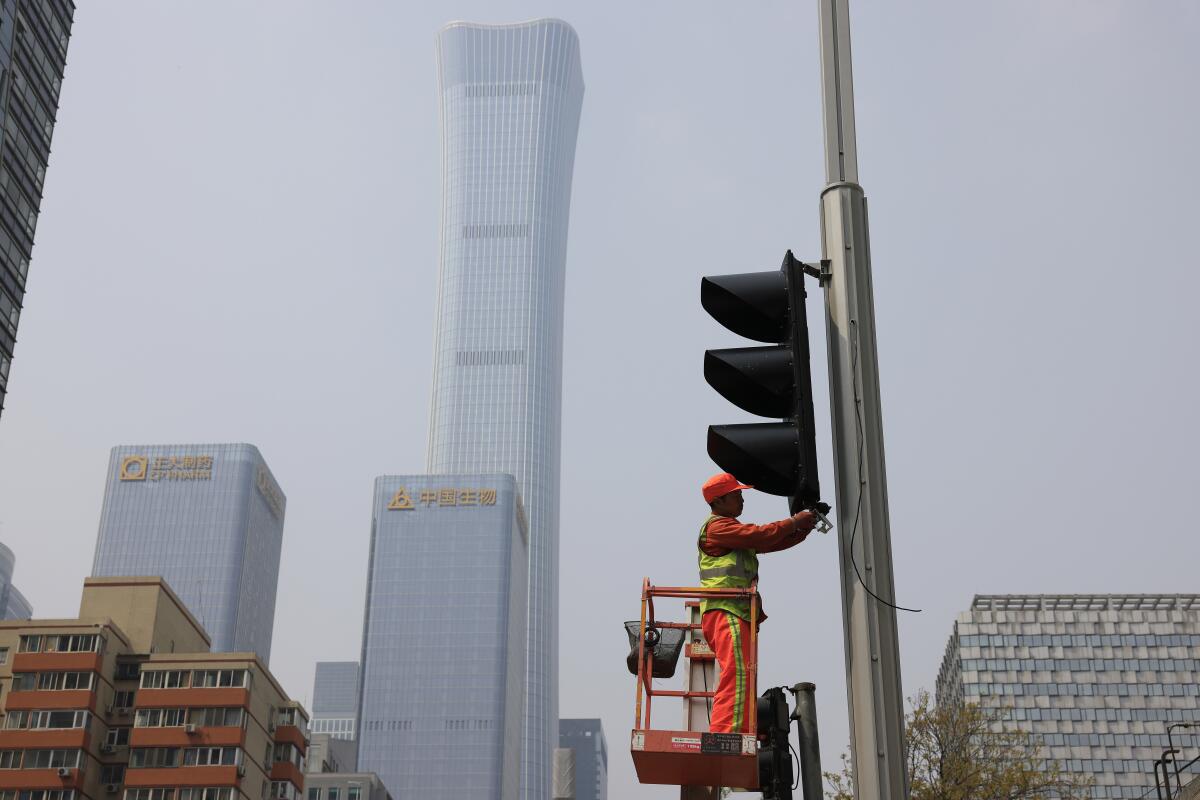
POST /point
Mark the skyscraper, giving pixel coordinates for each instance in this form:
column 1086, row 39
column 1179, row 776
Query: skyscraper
column 510, row 104
column 586, row 738
column 1096, row 678
column 335, row 699
column 443, row 646
column 209, row 519
column 33, row 54
column 13, row 604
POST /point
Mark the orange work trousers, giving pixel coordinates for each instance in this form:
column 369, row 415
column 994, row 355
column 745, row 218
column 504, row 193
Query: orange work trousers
column 729, row 637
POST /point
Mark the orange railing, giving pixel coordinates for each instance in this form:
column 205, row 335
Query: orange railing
column 645, row 669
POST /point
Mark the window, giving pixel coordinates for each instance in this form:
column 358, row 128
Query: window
column 333, row 793
column 72, row 643
column 46, row 794
column 154, row 757
column 3, row 655
column 354, row 792
column 30, row 644
column 149, row 794
column 117, row 737
column 58, row 719
column 123, row 699
column 50, row 759
column 160, row 717
column 165, row 679
column 314, row 793
column 112, row 773
column 210, row 678
column 128, row 670
column 55, row 681
column 10, row 759
column 210, row 756
column 206, row 793
column 216, row 717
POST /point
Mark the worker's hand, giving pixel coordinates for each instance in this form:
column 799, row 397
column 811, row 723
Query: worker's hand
column 805, row 521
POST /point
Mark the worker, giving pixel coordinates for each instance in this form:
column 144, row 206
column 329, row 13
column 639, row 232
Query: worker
column 729, row 559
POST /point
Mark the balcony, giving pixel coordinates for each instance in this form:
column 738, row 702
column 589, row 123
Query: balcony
column 177, row 736
column 181, row 776
column 46, row 662
column 51, row 699
column 192, row 698
column 44, row 739
column 292, row 735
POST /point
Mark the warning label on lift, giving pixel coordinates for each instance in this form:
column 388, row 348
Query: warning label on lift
column 685, row 743
column 725, row 744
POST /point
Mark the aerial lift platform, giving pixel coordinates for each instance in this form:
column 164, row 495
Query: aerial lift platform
column 690, row 757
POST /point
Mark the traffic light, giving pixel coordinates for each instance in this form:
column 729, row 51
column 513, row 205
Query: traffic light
column 774, row 758
column 773, row 381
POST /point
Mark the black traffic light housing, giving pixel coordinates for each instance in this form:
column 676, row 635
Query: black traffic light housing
column 773, row 381
column 775, row 776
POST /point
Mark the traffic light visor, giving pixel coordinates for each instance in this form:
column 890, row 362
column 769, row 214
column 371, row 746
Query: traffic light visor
column 755, row 379
column 752, row 304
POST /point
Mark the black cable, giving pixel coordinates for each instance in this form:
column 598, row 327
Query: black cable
column 861, row 445
column 796, row 756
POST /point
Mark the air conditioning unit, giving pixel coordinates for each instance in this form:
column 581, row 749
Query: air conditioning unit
column 241, row 770
column 189, row 728
column 111, row 788
column 107, row 748
column 64, row 772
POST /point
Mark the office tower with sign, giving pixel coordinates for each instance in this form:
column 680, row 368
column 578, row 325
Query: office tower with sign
column 586, row 738
column 209, row 519
column 510, row 104
column 335, row 699
column 1097, row 680
column 443, row 642
column 33, row 55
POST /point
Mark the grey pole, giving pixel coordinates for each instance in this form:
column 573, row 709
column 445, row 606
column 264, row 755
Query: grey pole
column 872, row 648
column 805, row 715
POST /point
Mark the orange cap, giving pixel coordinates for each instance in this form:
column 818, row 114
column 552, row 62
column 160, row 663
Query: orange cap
column 721, row 484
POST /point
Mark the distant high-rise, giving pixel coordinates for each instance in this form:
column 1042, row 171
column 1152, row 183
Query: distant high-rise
column 335, row 699
column 13, row 604
column 33, row 55
column 209, row 519
column 510, row 103
column 1095, row 679
column 586, row 738
column 443, row 645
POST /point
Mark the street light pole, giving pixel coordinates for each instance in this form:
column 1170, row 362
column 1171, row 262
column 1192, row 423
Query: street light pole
column 1174, row 761
column 868, row 594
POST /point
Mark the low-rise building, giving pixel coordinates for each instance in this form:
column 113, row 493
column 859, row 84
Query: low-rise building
column 127, row 702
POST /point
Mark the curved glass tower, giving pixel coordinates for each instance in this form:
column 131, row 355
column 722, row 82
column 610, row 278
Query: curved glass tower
column 510, row 102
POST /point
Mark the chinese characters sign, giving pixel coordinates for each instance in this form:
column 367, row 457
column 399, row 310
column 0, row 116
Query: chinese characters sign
column 270, row 492
column 402, row 500
column 166, row 468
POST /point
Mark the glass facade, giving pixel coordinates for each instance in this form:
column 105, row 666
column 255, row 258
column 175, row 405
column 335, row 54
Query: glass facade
column 335, row 698
column 586, row 738
column 510, row 104
column 33, row 55
column 1097, row 678
column 444, row 637
column 209, row 519
column 13, row 604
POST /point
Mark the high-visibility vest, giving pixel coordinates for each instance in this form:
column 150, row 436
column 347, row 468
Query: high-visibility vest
column 734, row 570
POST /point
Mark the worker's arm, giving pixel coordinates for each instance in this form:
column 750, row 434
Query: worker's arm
column 725, row 533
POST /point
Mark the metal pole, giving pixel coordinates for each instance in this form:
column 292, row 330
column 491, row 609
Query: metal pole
column 1175, row 763
column 872, row 648
column 805, row 715
column 1158, row 762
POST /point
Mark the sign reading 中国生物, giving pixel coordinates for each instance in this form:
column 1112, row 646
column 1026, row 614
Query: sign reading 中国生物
column 441, row 498
column 166, row 468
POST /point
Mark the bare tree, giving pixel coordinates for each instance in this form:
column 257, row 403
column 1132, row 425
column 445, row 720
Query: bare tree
column 963, row 751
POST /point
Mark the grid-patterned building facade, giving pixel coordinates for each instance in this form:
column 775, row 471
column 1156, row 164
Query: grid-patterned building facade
column 13, row 604
column 209, row 519
column 586, row 738
column 510, row 104
column 335, row 699
column 33, row 56
column 1097, row 678
column 443, row 645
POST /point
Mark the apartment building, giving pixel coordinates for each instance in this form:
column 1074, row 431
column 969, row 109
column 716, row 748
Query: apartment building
column 127, row 703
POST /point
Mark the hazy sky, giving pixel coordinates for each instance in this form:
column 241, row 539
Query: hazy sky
column 239, row 236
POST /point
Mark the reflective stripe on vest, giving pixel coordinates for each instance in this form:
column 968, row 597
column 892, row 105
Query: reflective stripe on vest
column 733, row 570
